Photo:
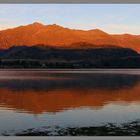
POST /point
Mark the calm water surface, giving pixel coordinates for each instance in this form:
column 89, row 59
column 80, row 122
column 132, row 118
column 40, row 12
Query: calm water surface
column 38, row 98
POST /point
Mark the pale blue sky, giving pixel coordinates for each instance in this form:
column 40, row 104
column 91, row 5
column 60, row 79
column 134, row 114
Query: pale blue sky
column 112, row 18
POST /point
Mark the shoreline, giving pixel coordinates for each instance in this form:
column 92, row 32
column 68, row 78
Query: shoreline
column 109, row 129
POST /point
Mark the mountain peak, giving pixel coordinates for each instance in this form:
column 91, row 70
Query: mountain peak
column 98, row 31
column 55, row 26
column 37, row 24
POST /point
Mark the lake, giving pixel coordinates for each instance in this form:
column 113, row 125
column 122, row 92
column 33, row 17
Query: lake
column 67, row 98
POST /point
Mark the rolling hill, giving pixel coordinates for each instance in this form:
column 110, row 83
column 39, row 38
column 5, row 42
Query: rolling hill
column 41, row 56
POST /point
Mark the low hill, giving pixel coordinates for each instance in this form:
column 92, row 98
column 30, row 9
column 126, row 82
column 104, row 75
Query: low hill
column 41, row 56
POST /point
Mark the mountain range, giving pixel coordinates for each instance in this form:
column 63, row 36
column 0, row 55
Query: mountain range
column 53, row 46
column 60, row 37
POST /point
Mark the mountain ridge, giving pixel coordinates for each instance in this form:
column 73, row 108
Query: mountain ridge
column 56, row 35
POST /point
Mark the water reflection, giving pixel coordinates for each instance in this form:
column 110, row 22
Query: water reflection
column 58, row 92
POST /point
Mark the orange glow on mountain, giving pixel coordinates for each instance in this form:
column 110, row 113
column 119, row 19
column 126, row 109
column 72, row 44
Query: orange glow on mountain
column 56, row 35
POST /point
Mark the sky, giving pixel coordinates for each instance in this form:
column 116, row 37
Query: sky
column 111, row 18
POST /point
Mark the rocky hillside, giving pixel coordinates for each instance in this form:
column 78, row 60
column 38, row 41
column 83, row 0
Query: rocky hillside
column 59, row 36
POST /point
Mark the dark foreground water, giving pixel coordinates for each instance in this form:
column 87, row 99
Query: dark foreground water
column 38, row 99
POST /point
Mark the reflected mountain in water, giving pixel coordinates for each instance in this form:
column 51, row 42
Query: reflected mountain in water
column 59, row 92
